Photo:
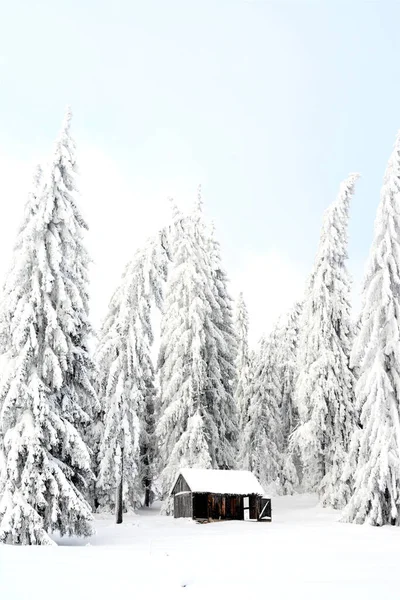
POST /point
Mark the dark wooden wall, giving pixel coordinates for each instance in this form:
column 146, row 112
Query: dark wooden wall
column 217, row 506
column 254, row 504
column 234, row 507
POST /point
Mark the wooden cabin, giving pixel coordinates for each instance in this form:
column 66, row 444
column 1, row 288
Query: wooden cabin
column 211, row 494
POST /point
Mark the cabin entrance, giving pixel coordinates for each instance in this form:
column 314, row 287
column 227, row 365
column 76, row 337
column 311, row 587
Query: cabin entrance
column 200, row 506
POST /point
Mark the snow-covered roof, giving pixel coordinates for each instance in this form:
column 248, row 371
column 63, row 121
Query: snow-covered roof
column 216, row 481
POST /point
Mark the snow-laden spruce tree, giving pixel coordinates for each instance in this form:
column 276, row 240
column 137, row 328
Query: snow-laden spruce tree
column 324, row 389
column 190, row 433
column 46, row 395
column 222, row 400
column 261, row 439
column 126, row 381
column 376, row 356
column 242, row 360
column 287, row 375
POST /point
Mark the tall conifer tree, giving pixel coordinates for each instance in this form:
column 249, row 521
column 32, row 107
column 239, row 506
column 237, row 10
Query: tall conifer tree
column 324, row 387
column 375, row 448
column 187, row 433
column 126, row 381
column 47, row 394
column 197, row 424
column 261, row 440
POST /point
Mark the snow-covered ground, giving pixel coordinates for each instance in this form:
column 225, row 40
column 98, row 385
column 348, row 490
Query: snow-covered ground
column 303, row 553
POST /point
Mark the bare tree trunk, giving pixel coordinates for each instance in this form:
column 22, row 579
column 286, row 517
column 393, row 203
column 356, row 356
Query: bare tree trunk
column 118, row 495
column 147, row 485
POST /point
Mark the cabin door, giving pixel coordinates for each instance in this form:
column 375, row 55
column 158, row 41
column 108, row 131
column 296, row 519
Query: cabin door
column 246, row 508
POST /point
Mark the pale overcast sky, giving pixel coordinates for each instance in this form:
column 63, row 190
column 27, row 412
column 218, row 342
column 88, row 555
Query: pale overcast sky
column 268, row 104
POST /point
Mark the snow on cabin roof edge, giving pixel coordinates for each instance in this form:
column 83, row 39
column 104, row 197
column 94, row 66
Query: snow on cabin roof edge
column 215, row 481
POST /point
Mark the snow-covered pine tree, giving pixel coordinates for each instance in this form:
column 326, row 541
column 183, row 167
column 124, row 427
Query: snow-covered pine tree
column 192, row 385
column 287, row 374
column 261, row 439
column 324, row 389
column 224, row 405
column 126, row 380
column 242, row 360
column 375, row 452
column 47, row 395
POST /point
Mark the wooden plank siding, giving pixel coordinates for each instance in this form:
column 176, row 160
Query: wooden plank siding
column 183, row 500
column 183, row 505
column 180, row 486
column 254, row 506
column 217, row 506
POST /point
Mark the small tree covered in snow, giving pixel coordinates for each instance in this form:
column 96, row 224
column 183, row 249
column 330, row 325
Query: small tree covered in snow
column 194, row 428
column 46, row 395
column 242, row 360
column 126, row 384
column 375, row 453
column 324, row 389
column 261, row 441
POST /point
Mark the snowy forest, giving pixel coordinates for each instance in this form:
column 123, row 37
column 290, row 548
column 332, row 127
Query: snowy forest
column 89, row 419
